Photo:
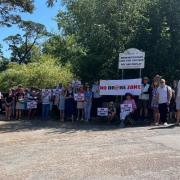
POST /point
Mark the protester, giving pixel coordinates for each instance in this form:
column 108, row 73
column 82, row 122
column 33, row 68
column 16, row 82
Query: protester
column 129, row 100
column 62, row 105
column 87, row 103
column 46, row 98
column 19, row 102
column 144, row 98
column 80, row 105
column 154, row 102
column 8, row 105
column 69, row 103
column 111, row 111
column 56, row 95
column 32, row 100
column 178, row 103
column 164, row 98
column 157, row 78
column 172, row 106
column 1, row 96
column 96, row 98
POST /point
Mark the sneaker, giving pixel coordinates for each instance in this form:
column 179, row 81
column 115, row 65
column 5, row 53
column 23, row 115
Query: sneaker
column 165, row 124
column 156, row 124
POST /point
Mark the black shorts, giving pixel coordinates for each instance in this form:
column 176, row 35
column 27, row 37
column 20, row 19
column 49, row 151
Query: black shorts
column 143, row 103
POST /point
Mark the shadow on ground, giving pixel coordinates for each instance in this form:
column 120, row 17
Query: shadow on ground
column 53, row 126
column 68, row 127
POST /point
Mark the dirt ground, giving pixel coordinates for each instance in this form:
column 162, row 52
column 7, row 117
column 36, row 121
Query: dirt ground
column 36, row 150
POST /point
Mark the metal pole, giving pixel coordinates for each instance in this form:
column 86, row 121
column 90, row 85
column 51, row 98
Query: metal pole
column 140, row 73
column 122, row 74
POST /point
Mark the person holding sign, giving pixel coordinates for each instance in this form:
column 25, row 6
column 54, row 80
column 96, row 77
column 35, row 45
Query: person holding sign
column 31, row 103
column 79, row 97
column 128, row 107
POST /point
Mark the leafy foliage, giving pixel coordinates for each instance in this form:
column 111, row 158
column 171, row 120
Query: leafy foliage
column 46, row 73
column 22, row 45
column 106, row 28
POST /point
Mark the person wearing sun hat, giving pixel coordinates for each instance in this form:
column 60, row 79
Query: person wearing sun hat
column 144, row 98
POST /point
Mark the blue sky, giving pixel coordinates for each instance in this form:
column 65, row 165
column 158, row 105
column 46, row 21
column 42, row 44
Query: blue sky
column 42, row 15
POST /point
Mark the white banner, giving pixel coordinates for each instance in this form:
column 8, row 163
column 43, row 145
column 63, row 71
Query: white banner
column 120, row 87
column 132, row 59
column 102, row 112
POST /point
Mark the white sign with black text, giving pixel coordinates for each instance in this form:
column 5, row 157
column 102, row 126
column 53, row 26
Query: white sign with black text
column 132, row 59
column 102, row 112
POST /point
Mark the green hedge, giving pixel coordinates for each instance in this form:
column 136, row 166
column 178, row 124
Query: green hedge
column 46, row 73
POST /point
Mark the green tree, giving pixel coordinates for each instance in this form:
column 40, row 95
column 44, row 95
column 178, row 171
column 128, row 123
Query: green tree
column 9, row 10
column 22, row 45
column 104, row 29
column 46, row 73
column 65, row 48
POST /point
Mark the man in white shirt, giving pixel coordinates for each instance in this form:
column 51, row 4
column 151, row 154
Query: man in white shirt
column 164, row 98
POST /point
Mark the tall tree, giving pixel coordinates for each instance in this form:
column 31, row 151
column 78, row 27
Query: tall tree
column 9, row 10
column 104, row 28
column 22, row 45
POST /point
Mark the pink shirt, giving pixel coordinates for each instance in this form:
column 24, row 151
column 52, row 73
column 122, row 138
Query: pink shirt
column 131, row 102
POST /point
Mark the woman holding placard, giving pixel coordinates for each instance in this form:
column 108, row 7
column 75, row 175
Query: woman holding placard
column 80, row 103
column 127, row 107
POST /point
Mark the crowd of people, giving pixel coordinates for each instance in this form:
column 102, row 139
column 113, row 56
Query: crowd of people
column 78, row 102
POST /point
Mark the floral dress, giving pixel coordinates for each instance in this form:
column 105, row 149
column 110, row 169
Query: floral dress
column 154, row 102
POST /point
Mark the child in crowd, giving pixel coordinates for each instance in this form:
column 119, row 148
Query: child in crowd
column 131, row 107
column 111, row 111
column 62, row 105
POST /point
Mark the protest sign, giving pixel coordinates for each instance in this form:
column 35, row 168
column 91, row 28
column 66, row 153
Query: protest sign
column 120, row 87
column 132, row 59
column 79, row 97
column 102, row 112
column 76, row 83
column 31, row 105
column 47, row 92
column 126, row 108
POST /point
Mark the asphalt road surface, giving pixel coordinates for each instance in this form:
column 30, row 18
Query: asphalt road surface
column 50, row 150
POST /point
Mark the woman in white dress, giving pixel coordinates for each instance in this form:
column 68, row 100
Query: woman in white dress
column 178, row 103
